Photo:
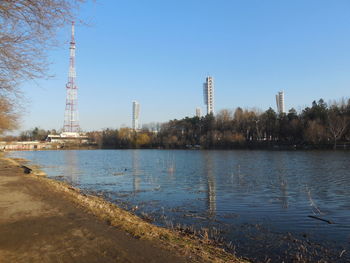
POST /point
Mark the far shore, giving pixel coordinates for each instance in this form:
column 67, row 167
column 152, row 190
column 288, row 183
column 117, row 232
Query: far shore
column 38, row 145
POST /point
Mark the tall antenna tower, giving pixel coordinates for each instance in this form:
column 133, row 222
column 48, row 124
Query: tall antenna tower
column 71, row 122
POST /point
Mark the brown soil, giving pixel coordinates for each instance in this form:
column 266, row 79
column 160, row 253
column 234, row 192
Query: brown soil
column 39, row 225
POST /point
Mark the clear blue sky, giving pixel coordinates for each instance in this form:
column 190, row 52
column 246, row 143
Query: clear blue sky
column 159, row 52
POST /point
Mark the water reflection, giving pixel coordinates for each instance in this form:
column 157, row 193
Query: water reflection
column 71, row 169
column 211, row 184
column 282, row 180
column 136, row 171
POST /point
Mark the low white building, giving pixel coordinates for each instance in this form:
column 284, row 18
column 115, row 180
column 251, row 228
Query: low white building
column 68, row 137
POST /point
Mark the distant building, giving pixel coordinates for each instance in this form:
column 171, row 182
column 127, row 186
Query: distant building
column 152, row 127
column 135, row 115
column 198, row 112
column 29, row 145
column 208, row 92
column 280, row 102
column 68, row 137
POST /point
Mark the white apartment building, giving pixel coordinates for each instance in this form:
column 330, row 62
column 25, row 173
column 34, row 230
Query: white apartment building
column 208, row 92
column 198, row 112
column 135, row 115
column 280, row 102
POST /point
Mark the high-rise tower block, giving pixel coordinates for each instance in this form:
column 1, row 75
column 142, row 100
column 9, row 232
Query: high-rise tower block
column 280, row 102
column 198, row 112
column 135, row 115
column 208, row 92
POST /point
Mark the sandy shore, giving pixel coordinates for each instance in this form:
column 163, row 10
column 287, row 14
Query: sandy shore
column 42, row 220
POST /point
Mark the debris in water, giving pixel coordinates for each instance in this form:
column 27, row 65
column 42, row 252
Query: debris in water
column 321, row 219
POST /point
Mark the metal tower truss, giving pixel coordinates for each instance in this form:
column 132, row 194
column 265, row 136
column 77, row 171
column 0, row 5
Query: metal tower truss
column 71, row 120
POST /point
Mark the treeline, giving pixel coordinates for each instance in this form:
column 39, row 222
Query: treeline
column 35, row 134
column 124, row 138
column 318, row 126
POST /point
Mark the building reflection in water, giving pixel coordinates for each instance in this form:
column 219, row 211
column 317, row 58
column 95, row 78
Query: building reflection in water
column 282, row 183
column 71, row 171
column 211, row 186
column 136, row 171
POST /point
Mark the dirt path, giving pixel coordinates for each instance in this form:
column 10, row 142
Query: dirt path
column 39, row 225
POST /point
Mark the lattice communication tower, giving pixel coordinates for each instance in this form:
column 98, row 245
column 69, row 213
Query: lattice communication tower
column 71, row 121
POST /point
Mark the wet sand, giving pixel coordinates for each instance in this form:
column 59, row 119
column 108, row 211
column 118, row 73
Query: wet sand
column 39, row 223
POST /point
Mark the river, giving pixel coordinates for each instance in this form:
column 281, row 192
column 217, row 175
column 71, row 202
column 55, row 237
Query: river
column 265, row 205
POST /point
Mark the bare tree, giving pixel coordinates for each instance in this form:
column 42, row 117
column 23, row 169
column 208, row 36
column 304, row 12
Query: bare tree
column 8, row 116
column 315, row 132
column 337, row 124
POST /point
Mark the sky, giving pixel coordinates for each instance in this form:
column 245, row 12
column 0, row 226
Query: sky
column 159, row 52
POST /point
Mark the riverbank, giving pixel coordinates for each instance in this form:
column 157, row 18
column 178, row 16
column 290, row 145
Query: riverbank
column 42, row 220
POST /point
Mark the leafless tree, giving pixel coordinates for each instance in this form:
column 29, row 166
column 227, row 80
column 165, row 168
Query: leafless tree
column 8, row 116
column 337, row 123
column 315, row 132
